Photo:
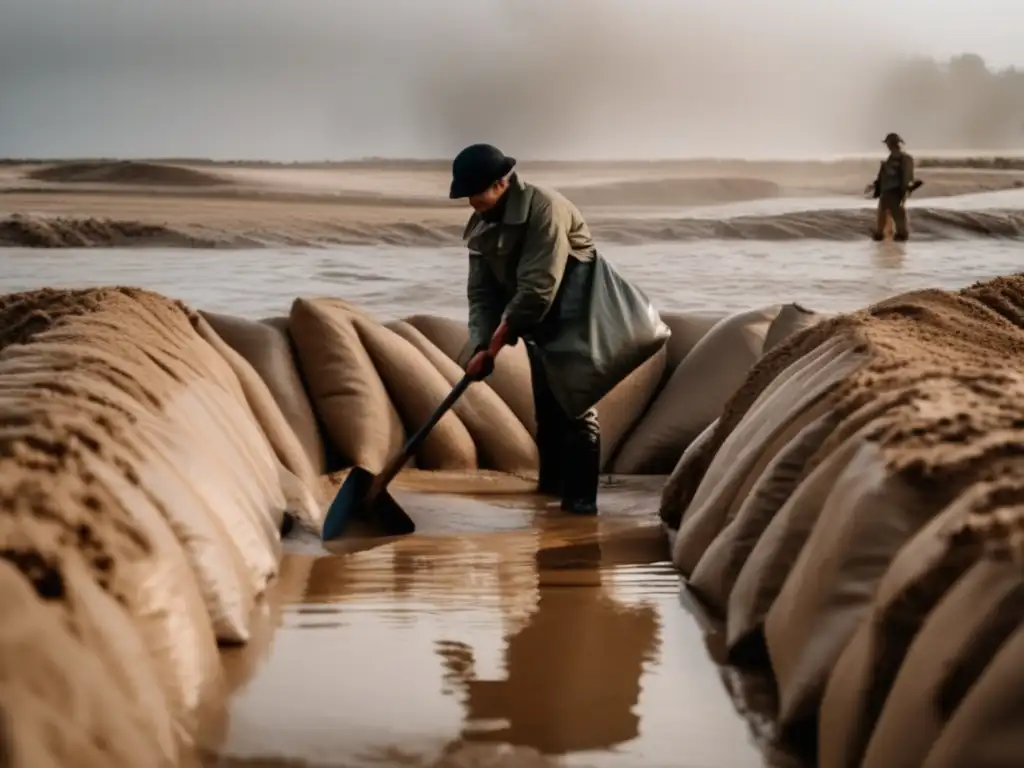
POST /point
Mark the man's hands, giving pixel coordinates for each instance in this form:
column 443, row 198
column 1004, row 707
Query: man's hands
column 481, row 364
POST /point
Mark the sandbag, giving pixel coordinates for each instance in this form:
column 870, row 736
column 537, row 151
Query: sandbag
column 985, row 731
column 695, row 393
column 511, row 377
column 795, row 398
column 769, row 564
column 969, row 622
column 168, row 607
column 58, row 704
column 670, row 510
column 716, row 572
column 621, row 408
column 283, row 434
column 416, row 389
column 866, row 519
column 158, row 455
column 346, row 390
column 792, row 319
column 687, row 328
column 501, row 439
column 921, row 575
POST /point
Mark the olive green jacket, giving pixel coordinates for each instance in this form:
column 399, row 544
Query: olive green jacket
column 896, row 174
column 516, row 265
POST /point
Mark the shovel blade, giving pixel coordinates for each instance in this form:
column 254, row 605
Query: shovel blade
column 353, row 502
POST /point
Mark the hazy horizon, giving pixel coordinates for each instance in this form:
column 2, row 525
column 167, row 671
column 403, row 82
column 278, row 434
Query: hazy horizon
column 313, row 80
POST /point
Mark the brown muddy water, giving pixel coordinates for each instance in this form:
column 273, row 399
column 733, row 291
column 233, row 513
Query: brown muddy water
column 503, row 634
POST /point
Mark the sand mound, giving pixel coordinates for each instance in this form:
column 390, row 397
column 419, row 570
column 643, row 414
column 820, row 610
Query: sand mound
column 865, row 466
column 141, row 501
column 55, row 232
column 125, row 172
column 231, row 225
column 671, row 191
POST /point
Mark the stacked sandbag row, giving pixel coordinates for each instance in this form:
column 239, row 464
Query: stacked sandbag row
column 140, row 503
column 353, row 389
column 831, row 523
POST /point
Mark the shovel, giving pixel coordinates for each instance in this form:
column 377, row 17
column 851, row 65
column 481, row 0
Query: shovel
column 364, row 496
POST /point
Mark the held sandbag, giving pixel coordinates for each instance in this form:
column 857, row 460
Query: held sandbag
column 604, row 330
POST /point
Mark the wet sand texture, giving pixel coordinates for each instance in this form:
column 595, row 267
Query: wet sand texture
column 142, row 503
column 206, row 204
column 267, row 347
column 695, row 392
column 860, row 496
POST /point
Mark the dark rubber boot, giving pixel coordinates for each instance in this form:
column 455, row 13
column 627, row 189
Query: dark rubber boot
column 582, row 468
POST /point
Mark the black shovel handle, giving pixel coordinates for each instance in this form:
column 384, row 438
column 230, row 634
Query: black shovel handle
column 393, row 467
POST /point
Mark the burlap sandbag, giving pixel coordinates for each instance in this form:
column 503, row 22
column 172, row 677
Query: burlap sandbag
column 503, row 442
column 168, row 608
column 282, row 433
column 765, row 571
column 345, row 387
column 622, row 408
column 921, row 576
column 965, row 624
column 58, row 704
column 670, row 507
column 792, row 319
column 695, row 393
column 795, row 398
column 511, row 377
column 267, row 347
column 416, row 389
column 112, row 633
column 985, row 731
column 158, row 454
column 868, row 516
column 687, row 328
column 717, row 570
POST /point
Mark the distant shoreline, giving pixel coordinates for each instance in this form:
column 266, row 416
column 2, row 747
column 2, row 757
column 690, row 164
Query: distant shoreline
column 926, row 159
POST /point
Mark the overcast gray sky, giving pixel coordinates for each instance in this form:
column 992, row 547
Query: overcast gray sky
column 319, row 79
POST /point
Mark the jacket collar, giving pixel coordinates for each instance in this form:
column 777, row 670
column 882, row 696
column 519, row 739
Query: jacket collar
column 520, row 196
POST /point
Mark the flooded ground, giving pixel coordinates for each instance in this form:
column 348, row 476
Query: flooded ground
column 394, row 282
column 502, row 622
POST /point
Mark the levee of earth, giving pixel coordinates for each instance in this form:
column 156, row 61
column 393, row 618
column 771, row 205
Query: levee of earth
column 109, row 203
column 844, row 497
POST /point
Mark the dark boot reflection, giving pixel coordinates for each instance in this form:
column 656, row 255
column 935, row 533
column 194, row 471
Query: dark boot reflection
column 573, row 670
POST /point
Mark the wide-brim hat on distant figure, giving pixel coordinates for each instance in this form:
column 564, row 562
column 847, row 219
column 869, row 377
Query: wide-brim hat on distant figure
column 892, row 138
column 476, row 168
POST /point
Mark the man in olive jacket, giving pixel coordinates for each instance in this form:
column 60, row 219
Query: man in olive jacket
column 894, row 183
column 523, row 241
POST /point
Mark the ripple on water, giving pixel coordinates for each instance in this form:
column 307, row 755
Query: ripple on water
column 395, row 282
column 555, row 641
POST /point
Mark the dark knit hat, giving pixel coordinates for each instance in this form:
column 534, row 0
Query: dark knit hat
column 476, row 168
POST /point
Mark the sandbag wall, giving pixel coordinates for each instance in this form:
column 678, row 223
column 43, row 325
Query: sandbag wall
column 853, row 525
column 141, row 494
column 353, row 388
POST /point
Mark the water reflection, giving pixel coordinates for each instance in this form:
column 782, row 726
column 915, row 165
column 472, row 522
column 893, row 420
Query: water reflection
column 542, row 640
column 573, row 672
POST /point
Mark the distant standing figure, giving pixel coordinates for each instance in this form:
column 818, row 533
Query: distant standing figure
column 894, row 183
